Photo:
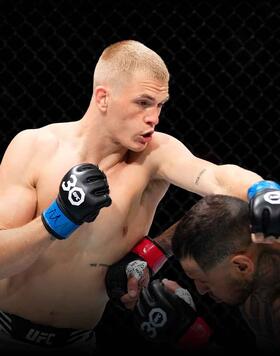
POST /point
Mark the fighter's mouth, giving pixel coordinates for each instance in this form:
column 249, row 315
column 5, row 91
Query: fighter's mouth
column 148, row 134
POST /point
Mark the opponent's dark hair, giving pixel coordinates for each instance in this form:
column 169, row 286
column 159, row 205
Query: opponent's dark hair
column 214, row 228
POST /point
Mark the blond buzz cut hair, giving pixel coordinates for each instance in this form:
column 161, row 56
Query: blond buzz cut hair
column 123, row 58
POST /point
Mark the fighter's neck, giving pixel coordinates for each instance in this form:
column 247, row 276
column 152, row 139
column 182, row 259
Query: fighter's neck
column 97, row 147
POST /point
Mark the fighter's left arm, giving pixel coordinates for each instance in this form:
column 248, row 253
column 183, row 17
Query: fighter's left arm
column 183, row 169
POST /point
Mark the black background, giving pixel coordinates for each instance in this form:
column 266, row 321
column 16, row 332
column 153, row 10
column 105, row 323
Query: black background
column 224, row 62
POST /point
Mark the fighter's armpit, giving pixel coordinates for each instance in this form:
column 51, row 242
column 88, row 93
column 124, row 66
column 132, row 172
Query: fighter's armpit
column 199, row 176
column 2, row 227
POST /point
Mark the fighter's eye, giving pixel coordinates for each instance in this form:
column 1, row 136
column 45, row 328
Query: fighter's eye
column 143, row 103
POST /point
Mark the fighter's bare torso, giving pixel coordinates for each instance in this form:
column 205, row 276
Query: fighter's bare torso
column 65, row 286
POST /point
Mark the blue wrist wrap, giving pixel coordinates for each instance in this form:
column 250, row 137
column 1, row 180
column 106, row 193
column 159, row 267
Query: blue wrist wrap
column 57, row 223
column 259, row 186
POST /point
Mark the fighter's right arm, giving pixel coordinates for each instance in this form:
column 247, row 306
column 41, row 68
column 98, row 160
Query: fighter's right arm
column 83, row 191
column 22, row 238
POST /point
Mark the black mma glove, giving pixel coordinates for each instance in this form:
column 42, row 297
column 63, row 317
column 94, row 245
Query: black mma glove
column 264, row 208
column 145, row 254
column 161, row 316
column 83, row 192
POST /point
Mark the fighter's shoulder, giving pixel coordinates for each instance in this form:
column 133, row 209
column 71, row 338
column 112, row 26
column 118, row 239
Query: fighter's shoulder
column 30, row 143
column 37, row 137
column 162, row 140
column 163, row 143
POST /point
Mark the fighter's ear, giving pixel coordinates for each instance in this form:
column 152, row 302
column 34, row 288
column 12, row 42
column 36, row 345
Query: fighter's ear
column 101, row 97
column 243, row 264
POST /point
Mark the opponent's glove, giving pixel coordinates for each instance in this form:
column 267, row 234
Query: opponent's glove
column 161, row 316
column 145, row 254
column 83, row 192
column 264, row 208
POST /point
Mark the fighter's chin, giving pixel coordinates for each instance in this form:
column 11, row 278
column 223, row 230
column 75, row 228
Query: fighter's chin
column 234, row 302
column 138, row 150
column 216, row 299
column 139, row 147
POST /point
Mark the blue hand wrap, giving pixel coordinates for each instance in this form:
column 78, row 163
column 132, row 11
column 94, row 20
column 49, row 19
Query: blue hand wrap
column 57, row 223
column 259, row 186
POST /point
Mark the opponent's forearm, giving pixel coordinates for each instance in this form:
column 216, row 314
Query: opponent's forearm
column 145, row 254
column 164, row 239
column 154, row 252
column 20, row 247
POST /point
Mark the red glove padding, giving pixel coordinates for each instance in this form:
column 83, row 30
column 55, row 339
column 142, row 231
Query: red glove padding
column 146, row 251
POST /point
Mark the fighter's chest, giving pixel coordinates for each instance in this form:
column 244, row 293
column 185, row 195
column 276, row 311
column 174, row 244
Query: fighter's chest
column 127, row 183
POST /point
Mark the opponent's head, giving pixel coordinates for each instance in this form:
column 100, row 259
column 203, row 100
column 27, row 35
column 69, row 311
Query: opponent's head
column 213, row 244
column 130, row 86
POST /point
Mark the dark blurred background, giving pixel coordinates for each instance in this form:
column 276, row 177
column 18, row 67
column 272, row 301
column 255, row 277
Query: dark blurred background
column 224, row 62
